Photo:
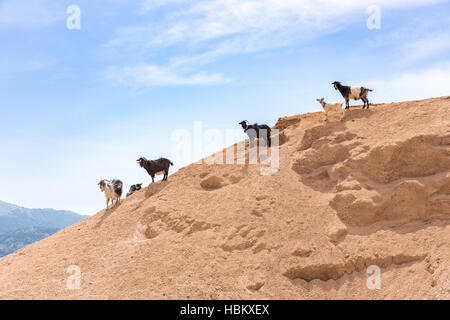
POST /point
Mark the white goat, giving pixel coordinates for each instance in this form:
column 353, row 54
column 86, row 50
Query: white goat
column 112, row 190
column 335, row 107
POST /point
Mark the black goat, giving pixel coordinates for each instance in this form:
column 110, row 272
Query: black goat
column 134, row 188
column 355, row 93
column 256, row 131
column 160, row 166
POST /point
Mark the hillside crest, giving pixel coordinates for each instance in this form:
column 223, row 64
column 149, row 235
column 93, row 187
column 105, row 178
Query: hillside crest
column 373, row 189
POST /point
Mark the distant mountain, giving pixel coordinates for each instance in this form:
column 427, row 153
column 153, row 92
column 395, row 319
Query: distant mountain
column 13, row 217
column 21, row 226
column 17, row 239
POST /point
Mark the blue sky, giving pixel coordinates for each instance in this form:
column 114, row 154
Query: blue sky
column 81, row 105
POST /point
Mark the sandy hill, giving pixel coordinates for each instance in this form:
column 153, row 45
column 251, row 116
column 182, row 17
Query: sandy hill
column 371, row 190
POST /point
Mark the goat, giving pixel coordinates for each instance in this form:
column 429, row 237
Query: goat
column 256, row 131
column 112, row 190
column 134, row 188
column 355, row 93
column 158, row 167
column 327, row 107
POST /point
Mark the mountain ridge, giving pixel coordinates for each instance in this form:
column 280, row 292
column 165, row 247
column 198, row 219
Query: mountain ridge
column 14, row 217
column 21, row 226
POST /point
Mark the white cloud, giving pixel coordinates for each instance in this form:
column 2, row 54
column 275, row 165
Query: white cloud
column 152, row 75
column 422, row 84
column 427, row 47
column 148, row 5
column 258, row 20
column 30, row 14
column 211, row 29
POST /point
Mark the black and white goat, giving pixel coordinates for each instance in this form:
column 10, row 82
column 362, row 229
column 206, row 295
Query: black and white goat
column 158, row 167
column 256, row 131
column 354, row 93
column 112, row 190
column 134, row 188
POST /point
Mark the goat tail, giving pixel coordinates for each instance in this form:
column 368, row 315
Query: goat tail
column 171, row 163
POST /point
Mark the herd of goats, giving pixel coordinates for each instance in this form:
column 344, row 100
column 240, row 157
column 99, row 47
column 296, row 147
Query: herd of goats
column 113, row 188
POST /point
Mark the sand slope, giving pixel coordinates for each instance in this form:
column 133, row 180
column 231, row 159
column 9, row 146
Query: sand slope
column 373, row 189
